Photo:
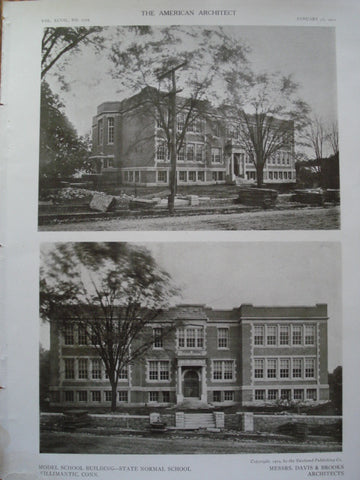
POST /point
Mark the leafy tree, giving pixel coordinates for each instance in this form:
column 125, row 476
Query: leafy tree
column 57, row 42
column 62, row 151
column 44, row 375
column 200, row 55
column 335, row 385
column 267, row 111
column 111, row 291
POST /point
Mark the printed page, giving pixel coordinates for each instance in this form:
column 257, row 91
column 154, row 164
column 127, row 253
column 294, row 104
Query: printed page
column 179, row 242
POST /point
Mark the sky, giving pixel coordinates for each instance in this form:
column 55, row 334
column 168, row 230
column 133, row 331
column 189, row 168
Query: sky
column 226, row 274
column 307, row 53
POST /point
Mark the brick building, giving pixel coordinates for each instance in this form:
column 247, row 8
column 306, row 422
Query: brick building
column 129, row 146
column 247, row 356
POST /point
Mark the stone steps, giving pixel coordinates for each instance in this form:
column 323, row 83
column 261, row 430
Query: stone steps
column 199, row 420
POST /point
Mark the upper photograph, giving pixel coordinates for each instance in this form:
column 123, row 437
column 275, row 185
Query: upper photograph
column 188, row 128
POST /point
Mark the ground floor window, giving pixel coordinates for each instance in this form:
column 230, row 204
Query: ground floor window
column 298, row 394
column 162, row 177
column 153, row 396
column 311, row 394
column 192, row 176
column 182, row 176
column 69, row 396
column 286, row 394
column 259, row 394
column 107, row 395
column 228, row 396
column 216, row 396
column 96, row 396
column 82, row 396
column 272, row 394
column 137, row 177
column 201, row 176
column 123, row 396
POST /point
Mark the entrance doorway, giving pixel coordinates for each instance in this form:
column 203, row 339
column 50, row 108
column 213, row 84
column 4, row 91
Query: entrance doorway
column 191, row 384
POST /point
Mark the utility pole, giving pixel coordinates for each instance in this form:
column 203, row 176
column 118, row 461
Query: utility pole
column 173, row 154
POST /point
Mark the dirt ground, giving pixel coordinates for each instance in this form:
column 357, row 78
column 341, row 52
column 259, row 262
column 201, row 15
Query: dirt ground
column 313, row 218
column 125, row 443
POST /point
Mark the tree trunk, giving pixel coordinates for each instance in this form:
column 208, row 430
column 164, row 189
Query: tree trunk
column 260, row 174
column 113, row 397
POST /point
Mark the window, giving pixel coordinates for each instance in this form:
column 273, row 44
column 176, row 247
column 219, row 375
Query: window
column 191, row 337
column 69, row 396
column 286, row 394
column 311, row 394
column 110, row 130
column 69, row 335
column 280, row 175
column 153, row 396
column 259, row 394
column 223, row 370
column 100, row 132
column 309, row 334
column 228, row 396
column 216, row 155
column 297, row 335
column 220, row 176
column 192, row 176
column 297, row 368
column 201, row 176
column 284, row 368
column 180, row 122
column 271, row 335
column 96, row 396
column 94, row 340
column 159, row 370
column 137, row 177
column 289, row 175
column 95, row 368
column 199, row 153
column 190, row 149
column 271, row 176
column 284, row 335
column 259, row 368
column 181, row 154
column 123, row 375
column 69, row 368
column 83, row 368
column 166, row 397
column 275, row 175
column 162, row 177
column 271, row 368
column 182, row 176
column 161, row 152
column 158, row 339
column 214, row 176
column 223, row 338
column 309, row 367
column 199, row 125
column 285, row 175
column 82, row 337
column 123, row 396
column 107, row 395
column 259, row 335
column 272, row 394
column 298, row 394
column 82, row 396
column 216, row 396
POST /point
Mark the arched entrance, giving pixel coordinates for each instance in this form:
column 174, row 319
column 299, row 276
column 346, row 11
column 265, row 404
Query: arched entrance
column 191, row 384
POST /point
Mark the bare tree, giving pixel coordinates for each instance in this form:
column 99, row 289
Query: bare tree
column 110, row 292
column 267, row 113
column 333, row 137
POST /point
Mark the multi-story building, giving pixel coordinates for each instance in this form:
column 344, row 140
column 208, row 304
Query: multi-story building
column 129, row 146
column 247, row 356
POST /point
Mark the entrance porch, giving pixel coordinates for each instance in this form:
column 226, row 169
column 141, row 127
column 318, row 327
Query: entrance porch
column 191, row 381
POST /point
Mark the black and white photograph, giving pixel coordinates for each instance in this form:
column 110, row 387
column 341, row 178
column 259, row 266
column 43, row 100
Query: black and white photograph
column 235, row 349
column 188, row 127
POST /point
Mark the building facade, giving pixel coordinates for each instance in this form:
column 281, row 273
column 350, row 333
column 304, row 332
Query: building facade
column 246, row 356
column 129, row 146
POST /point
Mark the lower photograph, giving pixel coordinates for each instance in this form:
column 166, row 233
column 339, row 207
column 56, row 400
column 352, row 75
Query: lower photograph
column 190, row 347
